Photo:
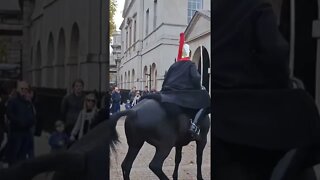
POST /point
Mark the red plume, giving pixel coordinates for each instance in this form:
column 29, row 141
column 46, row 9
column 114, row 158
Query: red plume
column 181, row 43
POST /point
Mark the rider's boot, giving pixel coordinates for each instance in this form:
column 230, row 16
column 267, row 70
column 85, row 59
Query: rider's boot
column 194, row 130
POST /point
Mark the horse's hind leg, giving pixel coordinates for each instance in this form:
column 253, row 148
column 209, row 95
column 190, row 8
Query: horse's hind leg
column 200, row 147
column 128, row 160
column 177, row 162
column 157, row 162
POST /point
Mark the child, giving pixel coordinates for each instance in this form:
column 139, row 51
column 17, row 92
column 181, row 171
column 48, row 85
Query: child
column 85, row 117
column 128, row 104
column 58, row 139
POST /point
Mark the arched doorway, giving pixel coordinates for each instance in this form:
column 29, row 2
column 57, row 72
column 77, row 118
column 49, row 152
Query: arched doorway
column 125, row 81
column 50, row 58
column 145, row 79
column 129, row 80
column 153, row 76
column 37, row 64
column 60, row 70
column 202, row 60
column 304, row 45
column 133, row 78
column 74, row 54
column 121, row 82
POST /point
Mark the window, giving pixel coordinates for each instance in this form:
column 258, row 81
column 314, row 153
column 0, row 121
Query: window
column 135, row 31
column 134, row 34
column 193, row 6
column 126, row 39
column 130, row 35
column 155, row 14
column 147, row 22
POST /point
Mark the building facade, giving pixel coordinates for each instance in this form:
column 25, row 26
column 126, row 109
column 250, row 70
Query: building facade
column 11, row 39
column 63, row 41
column 115, row 56
column 198, row 36
column 150, row 38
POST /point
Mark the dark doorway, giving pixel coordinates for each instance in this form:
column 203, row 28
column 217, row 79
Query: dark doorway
column 305, row 51
column 206, row 65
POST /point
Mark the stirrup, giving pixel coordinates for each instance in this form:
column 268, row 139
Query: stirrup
column 194, row 128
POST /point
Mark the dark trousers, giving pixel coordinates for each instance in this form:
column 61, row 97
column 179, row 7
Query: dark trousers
column 20, row 146
column 115, row 107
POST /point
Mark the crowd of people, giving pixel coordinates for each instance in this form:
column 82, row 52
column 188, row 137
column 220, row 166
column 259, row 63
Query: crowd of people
column 133, row 98
column 18, row 117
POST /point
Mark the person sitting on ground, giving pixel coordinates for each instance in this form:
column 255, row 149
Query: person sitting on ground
column 182, row 91
column 59, row 139
column 85, row 117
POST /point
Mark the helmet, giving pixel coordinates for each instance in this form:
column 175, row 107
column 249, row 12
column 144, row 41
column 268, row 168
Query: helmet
column 184, row 50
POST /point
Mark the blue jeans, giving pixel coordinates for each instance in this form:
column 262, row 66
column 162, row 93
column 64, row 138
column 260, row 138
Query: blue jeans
column 20, row 146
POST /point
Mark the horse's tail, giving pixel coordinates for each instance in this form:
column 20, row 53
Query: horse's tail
column 113, row 119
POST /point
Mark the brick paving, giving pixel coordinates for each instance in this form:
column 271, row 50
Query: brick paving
column 140, row 169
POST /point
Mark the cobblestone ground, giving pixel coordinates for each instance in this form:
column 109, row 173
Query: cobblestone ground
column 140, row 169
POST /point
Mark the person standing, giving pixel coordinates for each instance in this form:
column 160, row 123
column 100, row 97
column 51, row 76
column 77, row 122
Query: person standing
column 136, row 99
column 85, row 117
column 72, row 104
column 132, row 94
column 145, row 91
column 116, row 100
column 21, row 116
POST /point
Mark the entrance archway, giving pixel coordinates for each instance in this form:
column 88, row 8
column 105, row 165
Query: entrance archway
column 50, row 59
column 38, row 63
column 74, row 53
column 60, row 70
column 305, row 46
column 203, row 66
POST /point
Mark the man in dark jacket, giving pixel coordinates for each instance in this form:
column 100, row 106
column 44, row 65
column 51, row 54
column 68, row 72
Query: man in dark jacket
column 72, row 104
column 20, row 113
column 116, row 100
column 182, row 91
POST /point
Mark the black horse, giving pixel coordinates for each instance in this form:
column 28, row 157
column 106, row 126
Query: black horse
column 146, row 122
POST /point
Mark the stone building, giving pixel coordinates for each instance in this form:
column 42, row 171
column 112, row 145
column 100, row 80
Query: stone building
column 150, row 38
column 65, row 40
column 115, row 58
column 198, row 36
column 11, row 23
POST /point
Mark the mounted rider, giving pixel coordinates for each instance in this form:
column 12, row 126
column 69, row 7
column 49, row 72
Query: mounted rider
column 182, row 91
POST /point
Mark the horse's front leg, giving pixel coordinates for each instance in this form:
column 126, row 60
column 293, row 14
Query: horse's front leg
column 200, row 147
column 177, row 162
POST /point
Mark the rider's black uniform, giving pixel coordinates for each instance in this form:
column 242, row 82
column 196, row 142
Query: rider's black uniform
column 182, row 91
